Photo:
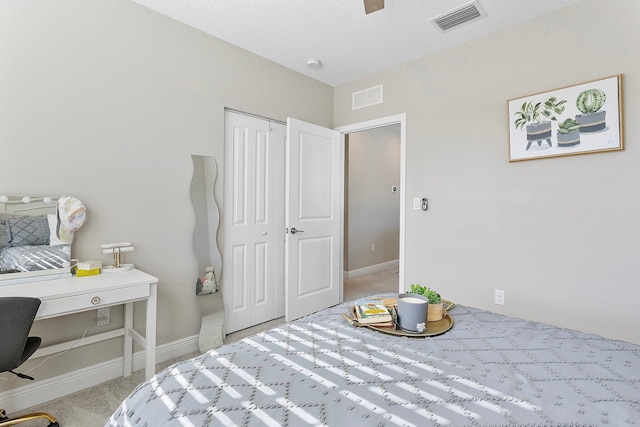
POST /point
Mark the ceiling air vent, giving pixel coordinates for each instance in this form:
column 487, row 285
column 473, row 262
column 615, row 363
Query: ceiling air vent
column 462, row 15
column 366, row 97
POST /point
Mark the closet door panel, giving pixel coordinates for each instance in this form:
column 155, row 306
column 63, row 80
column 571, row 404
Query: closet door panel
column 253, row 285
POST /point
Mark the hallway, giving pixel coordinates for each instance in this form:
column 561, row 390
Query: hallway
column 370, row 284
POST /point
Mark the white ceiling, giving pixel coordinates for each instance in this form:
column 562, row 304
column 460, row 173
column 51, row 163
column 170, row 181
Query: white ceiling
column 348, row 43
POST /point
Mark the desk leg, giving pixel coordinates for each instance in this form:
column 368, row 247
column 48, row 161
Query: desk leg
column 128, row 340
column 150, row 365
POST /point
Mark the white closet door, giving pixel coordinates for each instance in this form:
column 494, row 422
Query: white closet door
column 253, row 264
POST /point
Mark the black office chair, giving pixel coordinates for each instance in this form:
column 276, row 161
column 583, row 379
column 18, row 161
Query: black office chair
column 16, row 318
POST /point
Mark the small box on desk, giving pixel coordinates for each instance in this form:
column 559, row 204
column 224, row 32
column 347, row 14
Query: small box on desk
column 88, row 268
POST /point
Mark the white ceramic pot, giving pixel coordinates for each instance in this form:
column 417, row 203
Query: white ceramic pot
column 412, row 312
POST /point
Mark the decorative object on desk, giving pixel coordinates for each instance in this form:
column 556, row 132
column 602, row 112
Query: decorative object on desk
column 370, row 312
column 116, row 249
column 88, row 268
column 436, row 307
column 207, row 284
column 412, row 312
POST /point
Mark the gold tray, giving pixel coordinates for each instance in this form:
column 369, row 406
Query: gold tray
column 434, row 328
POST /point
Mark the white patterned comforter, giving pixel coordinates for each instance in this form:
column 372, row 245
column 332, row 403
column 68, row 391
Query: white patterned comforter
column 489, row 370
column 34, row 258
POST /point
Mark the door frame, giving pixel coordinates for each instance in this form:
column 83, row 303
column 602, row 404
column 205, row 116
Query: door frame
column 400, row 119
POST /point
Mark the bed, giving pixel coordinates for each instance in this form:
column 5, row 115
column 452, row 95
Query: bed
column 488, row 370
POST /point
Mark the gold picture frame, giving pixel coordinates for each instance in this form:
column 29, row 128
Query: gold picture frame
column 578, row 119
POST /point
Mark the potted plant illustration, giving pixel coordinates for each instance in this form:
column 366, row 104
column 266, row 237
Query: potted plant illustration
column 436, row 307
column 590, row 102
column 568, row 133
column 537, row 119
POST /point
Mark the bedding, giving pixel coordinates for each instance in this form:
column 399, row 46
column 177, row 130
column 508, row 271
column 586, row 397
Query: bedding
column 33, row 258
column 30, row 243
column 27, row 230
column 488, row 370
column 4, row 240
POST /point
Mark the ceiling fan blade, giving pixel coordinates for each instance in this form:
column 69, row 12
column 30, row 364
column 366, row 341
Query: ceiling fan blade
column 373, row 5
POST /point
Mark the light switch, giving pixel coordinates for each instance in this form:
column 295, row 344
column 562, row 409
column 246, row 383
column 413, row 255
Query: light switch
column 416, row 203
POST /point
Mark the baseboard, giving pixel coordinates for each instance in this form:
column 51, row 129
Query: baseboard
column 372, row 269
column 62, row 385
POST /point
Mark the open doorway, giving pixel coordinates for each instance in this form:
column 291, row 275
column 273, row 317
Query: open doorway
column 374, row 212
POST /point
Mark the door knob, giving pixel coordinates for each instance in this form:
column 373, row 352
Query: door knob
column 294, row 231
column 264, row 233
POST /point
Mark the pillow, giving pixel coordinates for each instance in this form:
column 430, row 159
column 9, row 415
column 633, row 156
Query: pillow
column 54, row 239
column 3, row 234
column 27, row 230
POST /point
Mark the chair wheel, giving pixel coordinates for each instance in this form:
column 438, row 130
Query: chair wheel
column 54, row 424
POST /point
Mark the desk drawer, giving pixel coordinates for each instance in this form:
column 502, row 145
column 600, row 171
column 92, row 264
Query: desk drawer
column 89, row 300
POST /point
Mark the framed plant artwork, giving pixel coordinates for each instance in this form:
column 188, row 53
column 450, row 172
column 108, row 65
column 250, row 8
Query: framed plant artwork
column 578, row 119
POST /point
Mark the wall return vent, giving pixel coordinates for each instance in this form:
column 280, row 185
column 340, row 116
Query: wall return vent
column 461, row 15
column 366, row 97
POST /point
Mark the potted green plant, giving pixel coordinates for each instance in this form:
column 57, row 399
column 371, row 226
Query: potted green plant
column 537, row 119
column 590, row 102
column 436, row 307
column 568, row 133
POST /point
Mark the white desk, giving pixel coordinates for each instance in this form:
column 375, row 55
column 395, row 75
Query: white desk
column 70, row 295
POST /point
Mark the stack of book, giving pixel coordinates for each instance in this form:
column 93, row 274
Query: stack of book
column 373, row 313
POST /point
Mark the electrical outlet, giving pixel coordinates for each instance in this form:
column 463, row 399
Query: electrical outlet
column 499, row 297
column 103, row 316
column 373, row 247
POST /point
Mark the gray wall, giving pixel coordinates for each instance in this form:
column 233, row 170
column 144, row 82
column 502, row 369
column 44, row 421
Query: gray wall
column 107, row 101
column 373, row 215
column 559, row 236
